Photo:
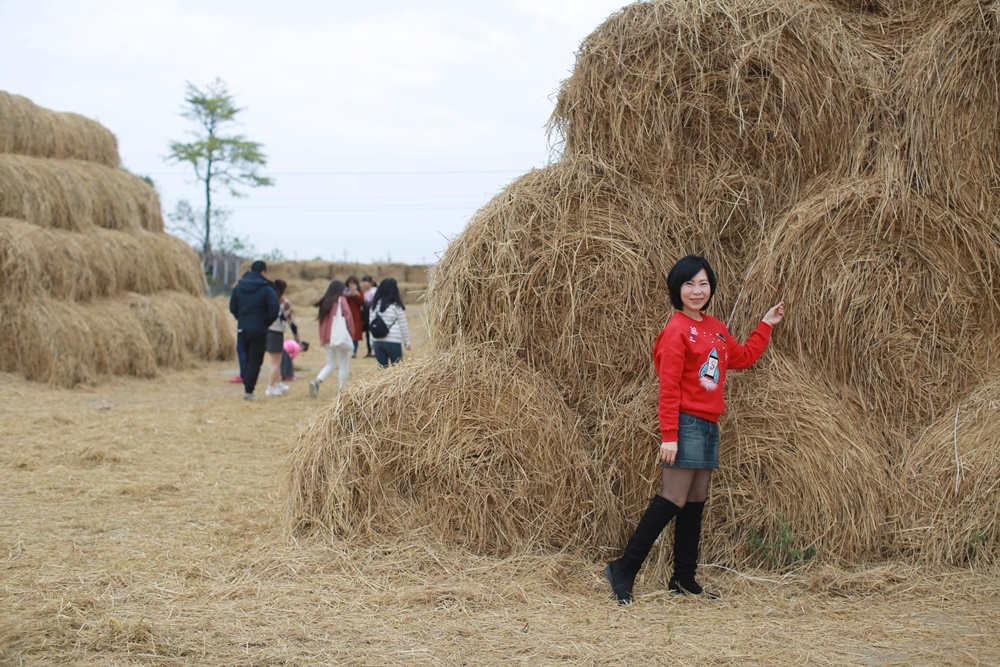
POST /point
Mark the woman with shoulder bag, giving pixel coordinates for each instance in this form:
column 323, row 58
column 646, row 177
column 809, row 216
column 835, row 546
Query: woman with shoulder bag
column 334, row 317
column 387, row 305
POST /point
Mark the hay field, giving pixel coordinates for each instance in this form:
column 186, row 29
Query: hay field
column 142, row 525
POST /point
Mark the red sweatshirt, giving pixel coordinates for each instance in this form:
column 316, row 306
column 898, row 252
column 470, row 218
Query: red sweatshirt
column 691, row 359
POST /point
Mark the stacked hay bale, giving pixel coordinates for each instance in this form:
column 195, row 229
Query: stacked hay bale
column 792, row 143
column 91, row 283
column 309, row 280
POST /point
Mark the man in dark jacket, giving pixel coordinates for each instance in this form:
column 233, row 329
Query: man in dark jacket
column 254, row 304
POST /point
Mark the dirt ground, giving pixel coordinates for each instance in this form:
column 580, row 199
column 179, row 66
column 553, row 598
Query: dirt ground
column 141, row 525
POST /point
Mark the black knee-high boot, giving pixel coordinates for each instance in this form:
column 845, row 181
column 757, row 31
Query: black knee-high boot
column 621, row 573
column 687, row 536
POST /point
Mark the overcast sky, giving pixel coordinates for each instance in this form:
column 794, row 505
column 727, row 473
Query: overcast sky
column 386, row 124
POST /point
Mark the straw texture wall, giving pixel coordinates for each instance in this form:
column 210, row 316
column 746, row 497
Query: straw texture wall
column 91, row 285
column 839, row 156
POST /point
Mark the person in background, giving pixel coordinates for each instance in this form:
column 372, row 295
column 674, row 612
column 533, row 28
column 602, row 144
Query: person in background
column 356, row 300
column 241, row 354
column 287, row 367
column 254, row 304
column 691, row 356
column 336, row 358
column 276, row 341
column 388, row 304
column 368, row 286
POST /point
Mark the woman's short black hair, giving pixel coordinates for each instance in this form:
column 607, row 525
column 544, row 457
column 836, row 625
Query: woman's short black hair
column 683, row 271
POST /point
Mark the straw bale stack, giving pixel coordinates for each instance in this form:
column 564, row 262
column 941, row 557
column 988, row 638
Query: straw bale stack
column 949, row 94
column 69, row 343
column 28, row 129
column 90, row 283
column 80, row 267
column 685, row 92
column 947, row 502
column 491, row 458
column 798, row 146
column 321, row 270
column 896, row 297
column 76, row 196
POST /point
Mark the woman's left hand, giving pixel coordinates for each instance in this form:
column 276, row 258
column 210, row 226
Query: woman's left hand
column 775, row 314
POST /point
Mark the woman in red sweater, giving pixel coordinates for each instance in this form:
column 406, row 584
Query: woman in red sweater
column 691, row 357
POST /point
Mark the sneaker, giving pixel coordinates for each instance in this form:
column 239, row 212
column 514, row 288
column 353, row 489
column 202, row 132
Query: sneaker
column 249, row 397
column 236, row 380
column 283, row 387
column 288, row 378
column 313, row 389
column 273, row 391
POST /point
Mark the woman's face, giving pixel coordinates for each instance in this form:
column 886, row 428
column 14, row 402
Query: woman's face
column 696, row 292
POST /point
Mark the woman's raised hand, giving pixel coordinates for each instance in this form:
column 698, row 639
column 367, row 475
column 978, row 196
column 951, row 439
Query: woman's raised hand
column 775, row 314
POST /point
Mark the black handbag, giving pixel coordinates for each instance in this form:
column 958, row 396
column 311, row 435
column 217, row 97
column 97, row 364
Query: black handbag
column 378, row 327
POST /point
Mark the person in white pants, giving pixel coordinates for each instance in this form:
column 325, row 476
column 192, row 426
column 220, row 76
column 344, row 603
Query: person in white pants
column 337, row 358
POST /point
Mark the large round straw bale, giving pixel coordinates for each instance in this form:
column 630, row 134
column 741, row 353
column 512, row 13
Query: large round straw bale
column 801, row 458
column 316, row 270
column 28, row 129
column 381, row 271
column 65, row 343
column 470, row 445
column 947, row 501
column 76, row 195
column 779, row 91
column 36, row 261
column 896, row 297
column 566, row 268
column 418, row 275
column 182, row 328
column 949, row 92
column 79, row 267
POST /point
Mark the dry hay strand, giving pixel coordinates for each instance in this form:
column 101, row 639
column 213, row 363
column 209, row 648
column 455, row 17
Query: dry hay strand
column 70, row 266
column 182, row 328
column 76, row 196
column 471, row 445
column 949, row 93
column 66, row 344
column 895, row 297
column 28, row 129
column 947, row 503
column 779, row 91
column 566, row 267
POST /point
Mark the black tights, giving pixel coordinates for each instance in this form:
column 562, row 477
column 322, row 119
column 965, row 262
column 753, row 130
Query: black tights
column 683, row 485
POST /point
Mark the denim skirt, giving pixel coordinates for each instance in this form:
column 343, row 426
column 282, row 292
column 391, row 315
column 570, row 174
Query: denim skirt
column 697, row 443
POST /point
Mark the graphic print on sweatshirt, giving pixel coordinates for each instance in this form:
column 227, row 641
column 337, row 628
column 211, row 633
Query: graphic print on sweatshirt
column 708, row 376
